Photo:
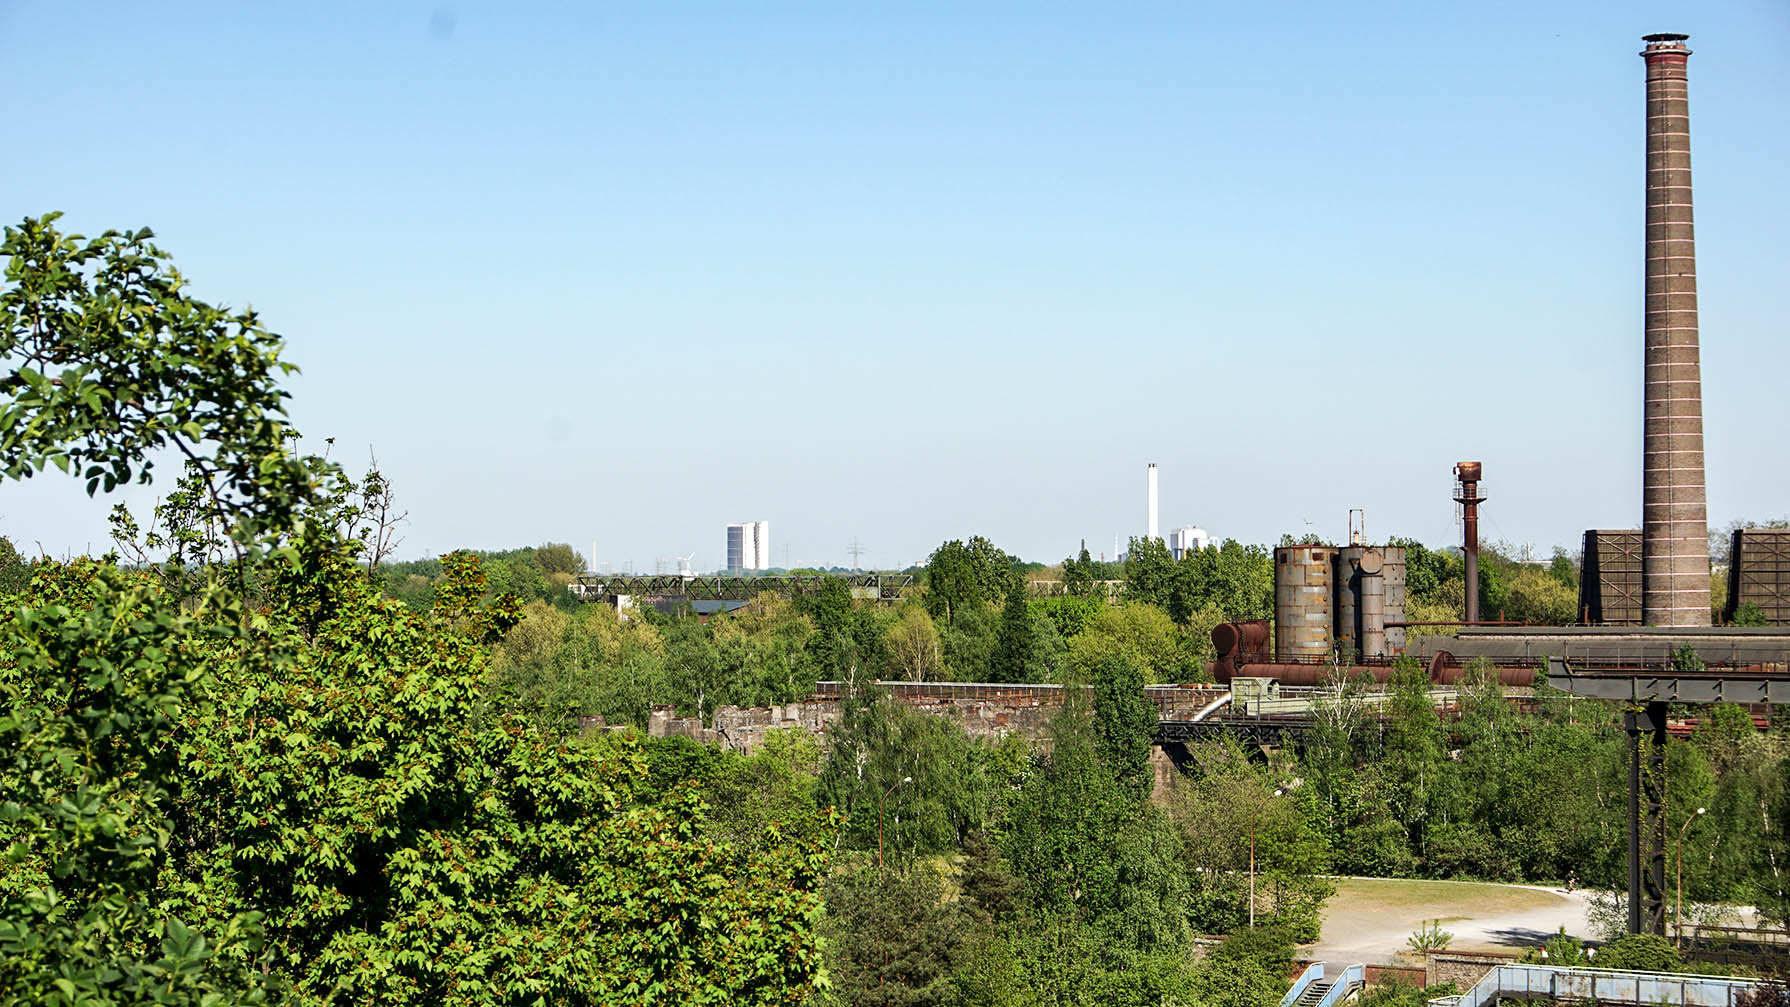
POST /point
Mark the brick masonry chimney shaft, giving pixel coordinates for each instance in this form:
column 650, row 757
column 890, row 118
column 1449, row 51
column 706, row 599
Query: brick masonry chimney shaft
column 1674, row 511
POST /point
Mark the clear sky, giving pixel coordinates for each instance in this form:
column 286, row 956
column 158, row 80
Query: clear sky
column 908, row 272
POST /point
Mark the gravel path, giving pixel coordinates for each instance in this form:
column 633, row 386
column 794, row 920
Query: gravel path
column 1369, row 919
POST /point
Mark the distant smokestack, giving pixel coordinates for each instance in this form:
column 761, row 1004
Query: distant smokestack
column 1466, row 475
column 1674, row 515
column 1150, row 508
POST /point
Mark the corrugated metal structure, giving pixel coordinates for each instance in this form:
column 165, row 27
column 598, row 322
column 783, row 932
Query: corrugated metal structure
column 1304, row 608
column 1759, row 574
column 1610, row 579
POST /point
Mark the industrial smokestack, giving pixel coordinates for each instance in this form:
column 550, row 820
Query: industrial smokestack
column 1466, row 476
column 1674, row 515
column 1150, row 507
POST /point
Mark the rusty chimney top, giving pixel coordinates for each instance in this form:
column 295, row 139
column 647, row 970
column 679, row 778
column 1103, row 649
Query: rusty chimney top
column 1674, row 514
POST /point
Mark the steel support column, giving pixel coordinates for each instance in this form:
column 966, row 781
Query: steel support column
column 1647, row 819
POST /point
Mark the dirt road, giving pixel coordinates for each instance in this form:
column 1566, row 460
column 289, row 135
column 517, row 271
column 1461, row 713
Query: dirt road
column 1369, row 919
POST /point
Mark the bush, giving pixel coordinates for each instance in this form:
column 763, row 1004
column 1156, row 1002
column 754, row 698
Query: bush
column 1640, row 953
column 1268, row 946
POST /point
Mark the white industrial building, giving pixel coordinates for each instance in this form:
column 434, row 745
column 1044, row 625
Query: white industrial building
column 1186, row 539
column 749, row 546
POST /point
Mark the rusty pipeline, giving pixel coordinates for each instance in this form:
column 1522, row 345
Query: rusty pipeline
column 1231, row 637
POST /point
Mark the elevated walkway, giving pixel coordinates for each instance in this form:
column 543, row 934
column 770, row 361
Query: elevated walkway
column 1604, row 986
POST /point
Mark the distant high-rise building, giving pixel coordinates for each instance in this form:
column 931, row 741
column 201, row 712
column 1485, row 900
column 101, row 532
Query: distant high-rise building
column 748, row 546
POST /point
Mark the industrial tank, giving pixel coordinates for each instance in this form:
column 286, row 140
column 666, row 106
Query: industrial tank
column 1389, row 586
column 1303, row 606
column 1393, row 570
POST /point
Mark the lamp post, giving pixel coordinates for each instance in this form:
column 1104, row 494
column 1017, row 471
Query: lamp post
column 1686, row 827
column 1254, row 813
column 879, row 818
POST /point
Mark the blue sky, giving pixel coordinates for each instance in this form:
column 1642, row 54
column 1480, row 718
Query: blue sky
column 908, row 272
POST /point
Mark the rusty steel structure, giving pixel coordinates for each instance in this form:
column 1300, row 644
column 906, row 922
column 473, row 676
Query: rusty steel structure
column 1610, row 578
column 1466, row 475
column 1370, row 601
column 1759, row 574
column 1304, row 605
column 1674, row 513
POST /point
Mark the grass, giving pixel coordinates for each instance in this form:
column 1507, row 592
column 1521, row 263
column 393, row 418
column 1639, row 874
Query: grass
column 1452, row 901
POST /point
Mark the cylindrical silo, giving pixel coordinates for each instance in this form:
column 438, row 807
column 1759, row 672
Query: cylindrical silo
column 1303, row 606
column 1372, row 604
column 1348, row 590
column 1393, row 573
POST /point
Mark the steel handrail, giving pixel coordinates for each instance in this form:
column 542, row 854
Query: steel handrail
column 1352, row 977
column 1312, row 973
column 1501, row 981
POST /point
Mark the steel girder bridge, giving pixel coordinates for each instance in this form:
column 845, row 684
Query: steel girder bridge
column 1644, row 694
column 875, row 586
column 1284, row 731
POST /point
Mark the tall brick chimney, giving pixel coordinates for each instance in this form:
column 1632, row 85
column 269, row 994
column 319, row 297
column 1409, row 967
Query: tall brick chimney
column 1674, row 514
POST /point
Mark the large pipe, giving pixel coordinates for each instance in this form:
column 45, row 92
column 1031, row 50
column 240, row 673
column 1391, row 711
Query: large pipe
column 1443, row 670
column 1298, row 674
column 1674, row 512
column 1468, row 474
column 1228, row 637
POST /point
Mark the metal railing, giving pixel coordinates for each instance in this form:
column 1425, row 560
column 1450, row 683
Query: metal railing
column 1604, row 986
column 1352, row 978
column 1312, row 974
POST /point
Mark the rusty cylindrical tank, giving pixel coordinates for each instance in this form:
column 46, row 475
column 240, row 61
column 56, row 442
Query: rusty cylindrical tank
column 1348, row 600
column 1302, row 602
column 1347, row 633
column 1392, row 573
column 1372, row 603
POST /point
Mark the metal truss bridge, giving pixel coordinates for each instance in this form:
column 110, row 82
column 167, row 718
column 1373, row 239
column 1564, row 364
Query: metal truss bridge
column 875, row 586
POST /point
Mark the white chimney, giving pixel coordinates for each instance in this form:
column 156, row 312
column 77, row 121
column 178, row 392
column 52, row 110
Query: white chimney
column 1150, row 520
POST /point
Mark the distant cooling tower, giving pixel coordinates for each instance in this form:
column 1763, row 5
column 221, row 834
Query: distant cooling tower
column 1674, row 516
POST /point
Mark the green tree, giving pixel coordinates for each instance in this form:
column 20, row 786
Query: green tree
column 1124, row 725
column 1150, row 572
column 890, row 936
column 327, row 757
column 1082, row 576
column 1086, row 850
column 961, row 576
column 558, row 557
column 1014, row 659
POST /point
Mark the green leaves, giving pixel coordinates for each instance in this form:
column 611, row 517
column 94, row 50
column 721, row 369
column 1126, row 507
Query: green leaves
column 141, row 367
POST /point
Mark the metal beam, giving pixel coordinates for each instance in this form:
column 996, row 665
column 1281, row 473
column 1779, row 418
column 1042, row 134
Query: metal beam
column 1639, row 685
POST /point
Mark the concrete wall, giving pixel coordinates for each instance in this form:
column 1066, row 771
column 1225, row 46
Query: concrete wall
column 996, row 713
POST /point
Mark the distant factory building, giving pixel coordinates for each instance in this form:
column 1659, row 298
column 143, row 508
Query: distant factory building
column 748, row 546
column 1186, row 539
